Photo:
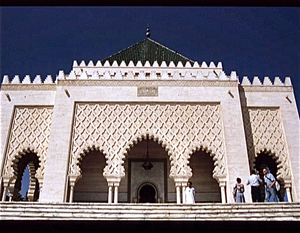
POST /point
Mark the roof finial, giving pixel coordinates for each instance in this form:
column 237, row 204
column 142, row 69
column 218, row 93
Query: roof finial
column 148, row 31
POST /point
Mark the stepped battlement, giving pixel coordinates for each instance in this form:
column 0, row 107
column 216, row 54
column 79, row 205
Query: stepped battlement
column 266, row 82
column 145, row 71
column 139, row 71
column 129, row 72
column 147, row 64
column 27, row 80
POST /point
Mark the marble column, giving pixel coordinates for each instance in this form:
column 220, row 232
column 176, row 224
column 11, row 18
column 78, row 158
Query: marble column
column 71, row 193
column 110, row 193
column 178, row 194
column 183, row 194
column 6, row 181
column 287, row 186
column 222, row 184
column 4, row 193
column 116, row 194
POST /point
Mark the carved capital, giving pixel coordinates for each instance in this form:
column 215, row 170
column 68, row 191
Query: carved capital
column 73, row 179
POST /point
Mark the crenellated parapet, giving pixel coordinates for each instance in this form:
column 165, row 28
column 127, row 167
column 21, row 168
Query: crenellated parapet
column 146, row 71
column 130, row 71
column 27, row 80
column 146, row 64
column 266, row 82
column 28, row 83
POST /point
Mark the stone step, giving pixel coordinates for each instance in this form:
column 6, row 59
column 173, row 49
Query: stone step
column 156, row 212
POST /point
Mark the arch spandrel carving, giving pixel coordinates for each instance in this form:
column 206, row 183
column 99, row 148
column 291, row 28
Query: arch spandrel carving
column 180, row 128
column 264, row 132
column 30, row 131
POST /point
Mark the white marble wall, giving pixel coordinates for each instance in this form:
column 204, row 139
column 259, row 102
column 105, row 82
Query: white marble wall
column 280, row 95
column 16, row 95
column 210, row 89
column 56, row 167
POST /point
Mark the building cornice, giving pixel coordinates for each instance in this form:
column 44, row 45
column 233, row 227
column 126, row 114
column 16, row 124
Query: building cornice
column 267, row 88
column 154, row 83
column 28, row 87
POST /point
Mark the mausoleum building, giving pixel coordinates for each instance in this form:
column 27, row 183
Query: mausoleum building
column 136, row 126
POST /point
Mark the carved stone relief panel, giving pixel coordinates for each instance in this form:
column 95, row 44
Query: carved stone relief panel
column 181, row 129
column 264, row 132
column 30, row 131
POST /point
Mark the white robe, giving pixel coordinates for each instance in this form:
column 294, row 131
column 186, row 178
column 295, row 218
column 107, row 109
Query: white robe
column 189, row 195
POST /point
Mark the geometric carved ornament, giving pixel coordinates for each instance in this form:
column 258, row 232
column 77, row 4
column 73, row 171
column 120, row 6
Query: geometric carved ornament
column 264, row 132
column 30, row 131
column 180, row 128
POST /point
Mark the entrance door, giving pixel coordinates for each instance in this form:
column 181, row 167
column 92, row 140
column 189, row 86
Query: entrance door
column 147, row 194
column 265, row 159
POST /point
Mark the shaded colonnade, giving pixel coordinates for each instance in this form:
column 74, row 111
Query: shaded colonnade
column 92, row 186
column 206, row 187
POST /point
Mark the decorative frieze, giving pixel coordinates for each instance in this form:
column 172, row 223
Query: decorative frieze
column 156, row 83
column 268, row 88
column 28, row 87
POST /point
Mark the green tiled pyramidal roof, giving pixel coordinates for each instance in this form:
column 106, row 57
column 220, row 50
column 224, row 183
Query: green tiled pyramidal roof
column 147, row 50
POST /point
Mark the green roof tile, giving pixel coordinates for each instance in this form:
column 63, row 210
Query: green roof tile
column 147, row 50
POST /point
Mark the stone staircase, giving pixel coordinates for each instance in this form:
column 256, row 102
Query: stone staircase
column 150, row 212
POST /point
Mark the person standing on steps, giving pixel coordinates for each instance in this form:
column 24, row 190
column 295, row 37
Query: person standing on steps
column 270, row 181
column 238, row 191
column 189, row 193
column 255, row 181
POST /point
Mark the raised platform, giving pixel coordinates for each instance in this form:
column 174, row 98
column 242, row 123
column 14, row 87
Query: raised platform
column 149, row 212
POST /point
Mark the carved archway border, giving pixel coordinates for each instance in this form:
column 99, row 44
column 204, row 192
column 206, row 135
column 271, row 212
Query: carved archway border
column 12, row 176
column 75, row 172
column 138, row 138
column 179, row 127
column 32, row 181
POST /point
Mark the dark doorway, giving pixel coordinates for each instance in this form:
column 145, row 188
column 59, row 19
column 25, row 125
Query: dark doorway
column 147, row 194
column 263, row 160
column 207, row 188
column 92, row 186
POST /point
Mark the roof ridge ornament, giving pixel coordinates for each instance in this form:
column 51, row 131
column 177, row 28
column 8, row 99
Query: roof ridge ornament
column 148, row 31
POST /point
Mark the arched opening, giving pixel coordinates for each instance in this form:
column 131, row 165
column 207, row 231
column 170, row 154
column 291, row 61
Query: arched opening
column 206, row 187
column 265, row 159
column 92, row 186
column 30, row 161
column 137, row 174
column 25, row 184
column 147, row 193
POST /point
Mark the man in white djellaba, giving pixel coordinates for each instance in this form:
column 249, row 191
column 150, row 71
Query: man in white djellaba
column 189, row 194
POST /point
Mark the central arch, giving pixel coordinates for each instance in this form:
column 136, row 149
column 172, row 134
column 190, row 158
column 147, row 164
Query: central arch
column 136, row 175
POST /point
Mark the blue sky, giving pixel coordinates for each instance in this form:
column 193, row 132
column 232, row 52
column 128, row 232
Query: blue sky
column 253, row 41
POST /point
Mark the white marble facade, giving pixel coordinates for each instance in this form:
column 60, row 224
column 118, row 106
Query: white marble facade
column 184, row 108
